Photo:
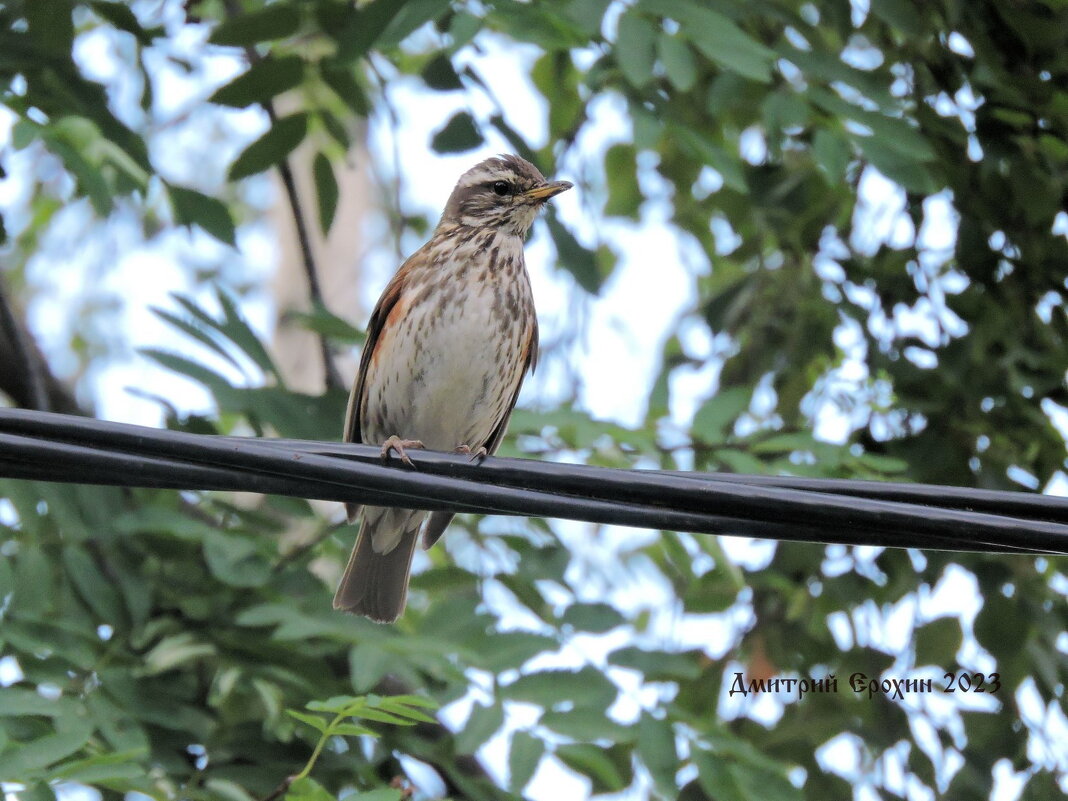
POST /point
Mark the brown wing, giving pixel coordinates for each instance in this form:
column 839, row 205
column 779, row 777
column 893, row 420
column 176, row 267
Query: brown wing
column 530, row 362
column 439, row 521
column 386, row 305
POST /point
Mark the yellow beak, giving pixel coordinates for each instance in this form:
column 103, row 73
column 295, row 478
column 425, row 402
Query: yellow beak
column 546, row 191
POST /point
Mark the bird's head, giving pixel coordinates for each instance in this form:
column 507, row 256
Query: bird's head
column 503, row 192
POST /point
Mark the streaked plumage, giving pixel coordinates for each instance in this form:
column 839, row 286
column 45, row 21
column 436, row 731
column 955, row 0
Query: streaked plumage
column 448, row 345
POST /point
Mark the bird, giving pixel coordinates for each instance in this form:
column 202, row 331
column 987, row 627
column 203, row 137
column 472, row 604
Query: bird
column 448, row 345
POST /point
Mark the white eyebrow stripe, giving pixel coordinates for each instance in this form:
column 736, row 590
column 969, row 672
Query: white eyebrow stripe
column 483, row 176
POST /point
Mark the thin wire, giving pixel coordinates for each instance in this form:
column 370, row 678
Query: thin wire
column 54, row 447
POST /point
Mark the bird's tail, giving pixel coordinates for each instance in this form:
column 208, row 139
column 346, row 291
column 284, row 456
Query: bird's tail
column 375, row 583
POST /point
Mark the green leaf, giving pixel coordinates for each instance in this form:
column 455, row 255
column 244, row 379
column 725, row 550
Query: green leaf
column 457, row 135
column 588, row 14
column 635, row 40
column 307, row 789
column 262, row 81
column 712, row 591
column 326, row 190
column 279, row 141
column 739, row 775
column 605, row 767
column 226, row 790
column 785, row 443
column 587, row 688
column 400, row 710
column 881, row 463
column 368, row 663
column 37, row 791
column 409, row 700
column 34, row 586
column 680, row 66
column 176, row 651
column 507, row 649
column 555, row 76
column 195, row 208
column 656, row 747
column 832, row 154
column 120, row 15
column 363, row 27
column 187, row 367
column 785, row 109
column 581, row 725
column 342, row 78
column 351, row 730
column 340, row 704
column 18, row 702
column 315, row 721
column 1042, row 786
column 728, row 165
column 714, row 421
column 482, row 724
column 88, row 177
column 658, row 665
column 523, row 759
column 30, row 758
column 235, row 560
column 412, row 15
column 103, row 768
column 380, row 716
column 621, row 171
column 903, row 15
column 735, row 460
column 440, row 75
column 574, row 258
column 937, row 643
column 378, row 794
column 596, row 618
column 900, row 168
column 235, row 328
column 193, row 331
column 275, row 21
column 92, row 586
column 716, row 37
column 323, row 321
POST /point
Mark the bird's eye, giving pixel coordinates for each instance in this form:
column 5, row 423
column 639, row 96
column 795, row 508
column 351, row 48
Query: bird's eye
column 501, row 188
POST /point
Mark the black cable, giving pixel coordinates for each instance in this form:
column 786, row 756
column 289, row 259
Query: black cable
column 27, row 457
column 1028, row 505
column 1025, row 505
column 65, row 448
column 761, row 497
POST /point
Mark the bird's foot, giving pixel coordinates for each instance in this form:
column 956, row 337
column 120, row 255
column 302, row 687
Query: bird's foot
column 478, row 454
column 398, row 445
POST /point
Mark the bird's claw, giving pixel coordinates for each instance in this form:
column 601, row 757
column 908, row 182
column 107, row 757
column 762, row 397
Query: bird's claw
column 478, row 454
column 395, row 443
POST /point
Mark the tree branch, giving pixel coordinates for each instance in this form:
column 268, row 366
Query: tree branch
column 26, row 365
column 331, row 377
column 24, row 376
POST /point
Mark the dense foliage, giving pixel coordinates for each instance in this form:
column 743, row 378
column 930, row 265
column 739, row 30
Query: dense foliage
column 158, row 640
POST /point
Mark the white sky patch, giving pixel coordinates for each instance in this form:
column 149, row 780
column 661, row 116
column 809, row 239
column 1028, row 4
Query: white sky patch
column 10, row 671
column 879, row 217
column 636, row 311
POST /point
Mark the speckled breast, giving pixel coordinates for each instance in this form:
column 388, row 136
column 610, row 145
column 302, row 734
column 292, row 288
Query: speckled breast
column 449, row 363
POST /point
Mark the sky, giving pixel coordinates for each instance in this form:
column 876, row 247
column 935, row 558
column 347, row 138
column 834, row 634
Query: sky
column 617, row 354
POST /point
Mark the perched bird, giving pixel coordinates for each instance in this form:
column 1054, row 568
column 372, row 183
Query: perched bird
column 448, row 345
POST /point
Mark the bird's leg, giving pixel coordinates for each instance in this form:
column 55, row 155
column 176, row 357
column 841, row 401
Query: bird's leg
column 478, row 454
column 395, row 443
